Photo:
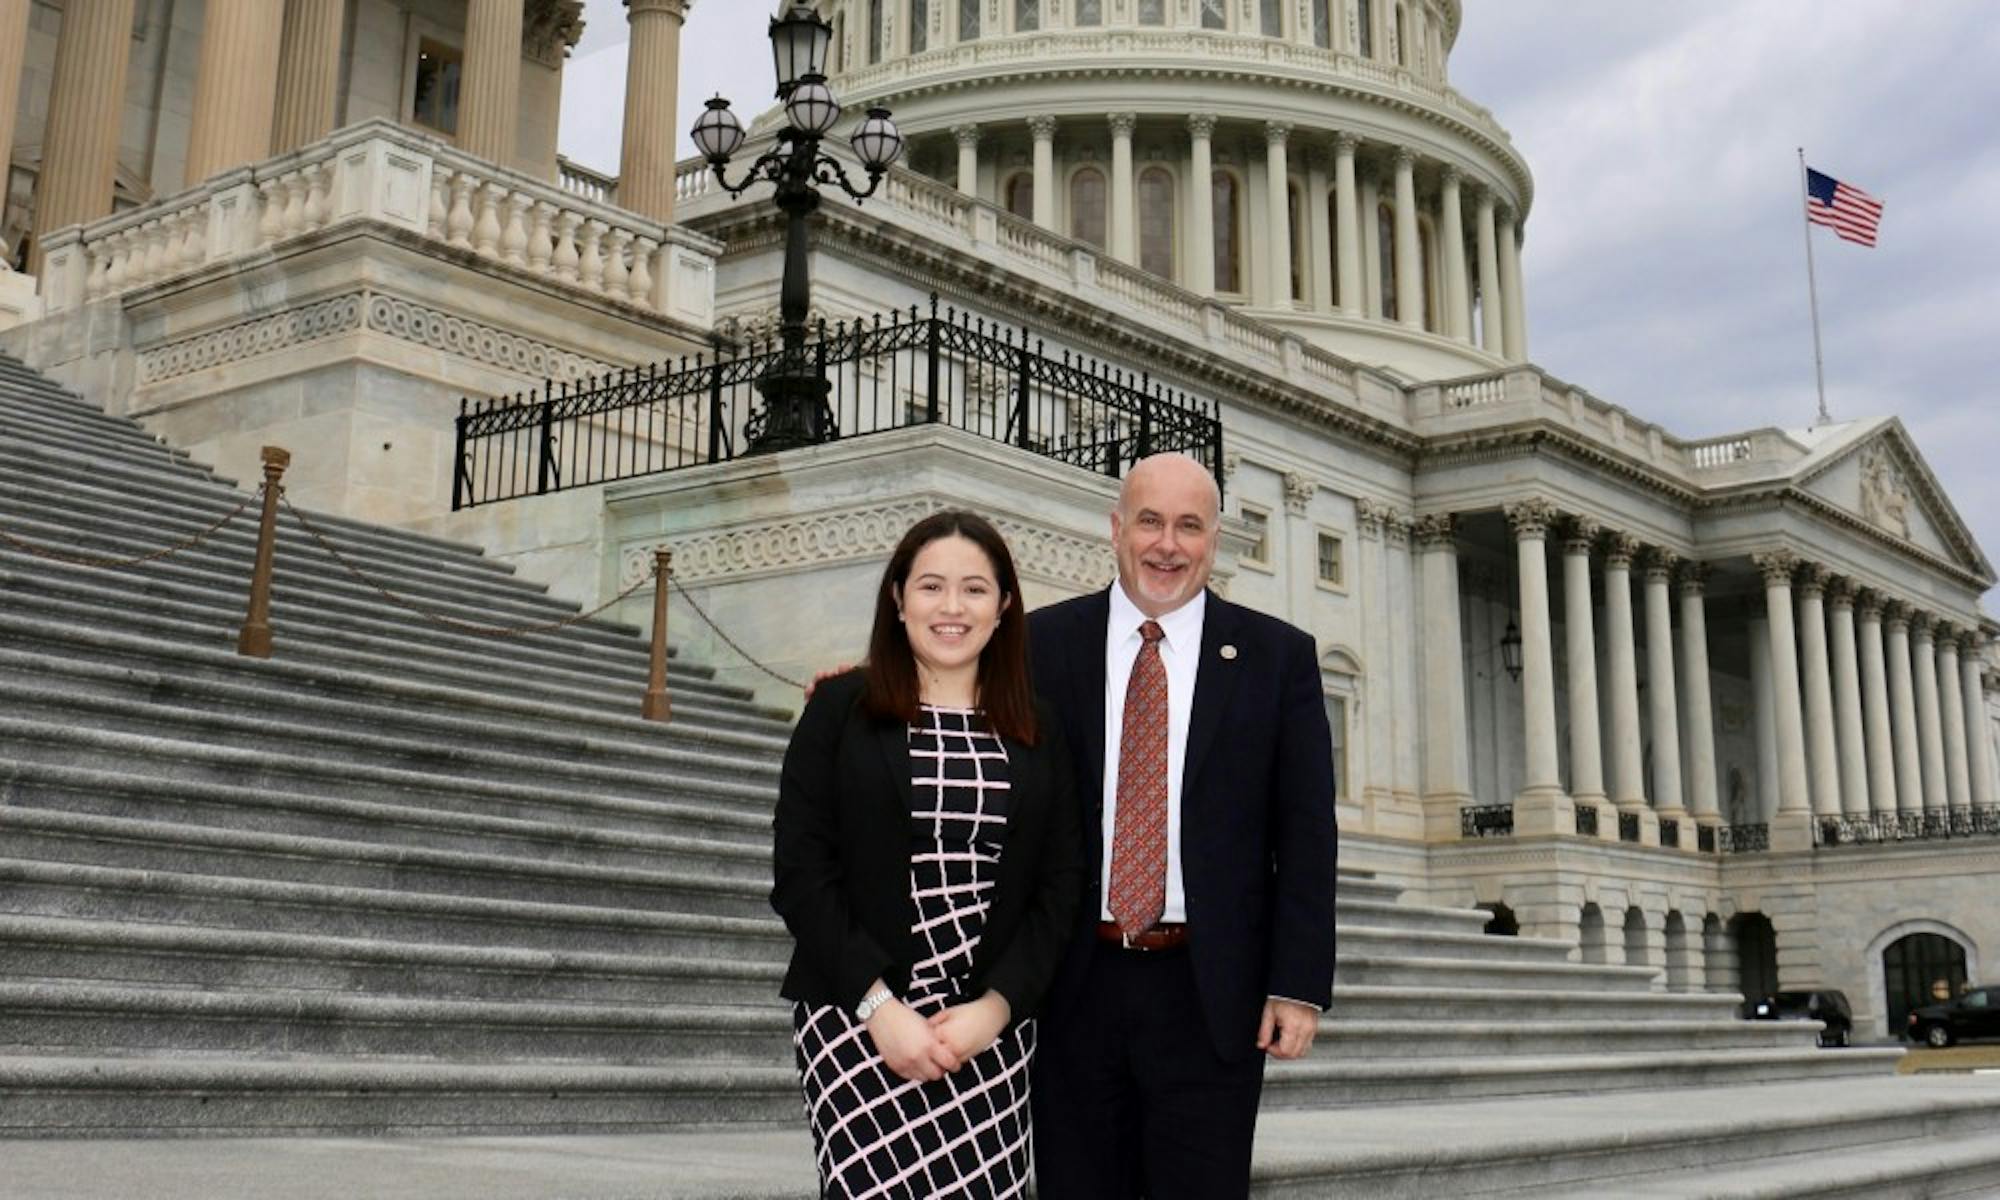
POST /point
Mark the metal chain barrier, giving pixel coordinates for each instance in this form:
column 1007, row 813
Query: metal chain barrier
column 116, row 564
column 465, row 627
column 726, row 639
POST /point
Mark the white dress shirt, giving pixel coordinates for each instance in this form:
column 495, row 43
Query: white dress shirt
column 1180, row 654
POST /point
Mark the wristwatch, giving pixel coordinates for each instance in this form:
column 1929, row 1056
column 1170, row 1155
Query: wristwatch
column 871, row 1002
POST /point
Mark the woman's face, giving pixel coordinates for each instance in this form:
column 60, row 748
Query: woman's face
column 951, row 603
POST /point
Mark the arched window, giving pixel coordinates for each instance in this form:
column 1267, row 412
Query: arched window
column 1272, row 22
column 1215, row 14
column 1402, row 37
column 920, row 25
column 1333, row 248
column 874, row 31
column 1920, row 969
column 1226, row 205
column 1090, row 12
column 1590, row 934
column 1087, row 207
column 968, row 19
column 1152, row 12
column 1385, row 243
column 1156, row 221
column 1364, row 28
column 1018, row 195
column 1295, row 220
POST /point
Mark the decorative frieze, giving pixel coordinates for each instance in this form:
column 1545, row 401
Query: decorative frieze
column 250, row 339
column 479, row 342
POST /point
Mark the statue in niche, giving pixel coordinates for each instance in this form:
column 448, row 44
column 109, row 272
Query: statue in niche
column 1885, row 501
column 1737, row 807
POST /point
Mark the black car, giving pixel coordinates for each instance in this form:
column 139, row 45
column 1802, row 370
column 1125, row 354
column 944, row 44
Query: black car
column 1976, row 1014
column 1829, row 1007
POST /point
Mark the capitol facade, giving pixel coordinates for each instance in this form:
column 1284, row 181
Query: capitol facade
column 1722, row 707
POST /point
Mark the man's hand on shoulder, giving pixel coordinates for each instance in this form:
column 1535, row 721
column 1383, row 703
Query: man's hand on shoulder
column 1287, row 1029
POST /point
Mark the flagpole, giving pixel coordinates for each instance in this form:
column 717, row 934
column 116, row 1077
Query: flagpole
column 1812, row 294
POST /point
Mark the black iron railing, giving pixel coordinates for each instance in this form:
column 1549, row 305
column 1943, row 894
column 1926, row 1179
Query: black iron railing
column 1586, row 820
column 1704, row 838
column 1670, row 833
column 892, row 372
column 1930, row 825
column 1628, row 827
column 1742, row 839
column 1486, row 820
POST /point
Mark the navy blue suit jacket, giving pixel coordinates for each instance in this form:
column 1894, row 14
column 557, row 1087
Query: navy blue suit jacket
column 1257, row 817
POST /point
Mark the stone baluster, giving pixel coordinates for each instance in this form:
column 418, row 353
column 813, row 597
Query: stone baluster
column 514, row 239
column 590, row 266
column 567, row 259
column 440, row 214
column 319, row 183
column 486, row 230
column 295, row 202
column 458, row 226
column 615, row 273
column 639, row 286
column 194, row 247
column 541, row 247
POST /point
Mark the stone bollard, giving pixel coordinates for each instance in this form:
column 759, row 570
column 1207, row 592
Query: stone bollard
column 657, row 707
column 255, row 639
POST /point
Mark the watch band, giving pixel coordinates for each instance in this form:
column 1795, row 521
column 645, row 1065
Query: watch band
column 871, row 1002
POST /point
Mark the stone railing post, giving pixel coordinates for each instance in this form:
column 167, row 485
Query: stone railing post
column 255, row 639
column 657, row 707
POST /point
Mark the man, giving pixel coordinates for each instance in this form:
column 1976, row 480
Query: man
column 1200, row 738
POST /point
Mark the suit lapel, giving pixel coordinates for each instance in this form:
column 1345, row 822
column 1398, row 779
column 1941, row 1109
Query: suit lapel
column 1215, row 679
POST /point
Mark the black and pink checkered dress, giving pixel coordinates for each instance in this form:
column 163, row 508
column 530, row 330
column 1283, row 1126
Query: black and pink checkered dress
column 876, row 1134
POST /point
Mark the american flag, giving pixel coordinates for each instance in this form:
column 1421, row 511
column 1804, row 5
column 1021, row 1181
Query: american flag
column 1848, row 211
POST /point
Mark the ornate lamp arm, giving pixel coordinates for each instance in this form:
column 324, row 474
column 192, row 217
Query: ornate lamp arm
column 828, row 170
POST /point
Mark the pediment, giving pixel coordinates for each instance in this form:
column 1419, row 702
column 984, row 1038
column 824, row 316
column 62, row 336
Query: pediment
column 1878, row 476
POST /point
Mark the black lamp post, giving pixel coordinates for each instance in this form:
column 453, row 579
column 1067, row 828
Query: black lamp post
column 1510, row 651
column 795, row 411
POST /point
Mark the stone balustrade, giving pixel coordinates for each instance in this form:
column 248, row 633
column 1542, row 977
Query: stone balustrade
column 579, row 180
column 383, row 173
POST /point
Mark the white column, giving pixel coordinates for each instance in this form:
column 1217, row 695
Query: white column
column 1403, row 635
column 489, row 122
column 1764, row 698
column 1319, row 232
column 1951, row 705
column 1124, row 245
column 1492, row 305
column 967, row 137
column 308, row 73
column 1822, row 760
column 1586, row 747
column 1979, row 750
column 1510, row 282
column 1793, row 794
column 1409, row 263
column 1446, row 786
column 1628, row 786
column 1377, row 729
column 1278, row 211
column 1543, row 783
column 1043, row 128
column 1663, row 698
column 1701, row 782
column 236, row 86
column 1201, row 210
column 1930, row 732
column 652, row 92
column 1850, row 735
column 1881, row 783
column 86, row 101
column 1903, row 711
column 1370, row 200
column 1347, row 230
column 1456, row 321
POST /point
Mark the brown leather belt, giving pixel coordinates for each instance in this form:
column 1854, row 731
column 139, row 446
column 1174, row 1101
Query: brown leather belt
column 1159, row 937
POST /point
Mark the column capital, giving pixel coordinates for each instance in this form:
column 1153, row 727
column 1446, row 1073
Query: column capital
column 1346, row 143
column 550, row 28
column 1275, row 132
column 1841, row 591
column 1693, row 577
column 1922, row 626
column 1042, row 126
column 1945, row 634
column 1530, row 518
column 967, row 135
column 1868, row 603
column 1406, row 158
column 1811, row 580
column 1122, row 123
column 1895, row 615
column 1660, row 564
column 673, row 8
column 1580, row 535
column 1620, row 549
column 1449, row 175
column 1435, row 531
column 1300, row 488
column 1396, row 528
column 1971, row 643
column 1369, row 516
column 1778, row 566
column 1200, row 125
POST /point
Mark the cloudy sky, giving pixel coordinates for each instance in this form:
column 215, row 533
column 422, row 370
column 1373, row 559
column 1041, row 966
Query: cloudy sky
column 1665, row 260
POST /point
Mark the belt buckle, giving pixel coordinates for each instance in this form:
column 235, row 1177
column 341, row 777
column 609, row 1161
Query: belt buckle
column 1125, row 939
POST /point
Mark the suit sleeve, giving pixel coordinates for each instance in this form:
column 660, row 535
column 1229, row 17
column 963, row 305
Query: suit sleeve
column 1023, row 971
column 807, row 887
column 1304, row 838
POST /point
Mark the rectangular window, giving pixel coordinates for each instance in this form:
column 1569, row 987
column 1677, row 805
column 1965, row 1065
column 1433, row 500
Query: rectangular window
column 1214, row 14
column 1331, row 569
column 1027, row 15
column 968, row 19
column 875, row 30
column 1336, row 722
column 1274, row 18
column 1364, row 32
column 1259, row 522
column 1323, row 24
column 920, row 25
column 1152, row 12
column 1090, row 12
column 439, row 69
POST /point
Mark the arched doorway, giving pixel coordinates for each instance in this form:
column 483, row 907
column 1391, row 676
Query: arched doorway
column 1502, row 923
column 1756, row 954
column 1916, row 968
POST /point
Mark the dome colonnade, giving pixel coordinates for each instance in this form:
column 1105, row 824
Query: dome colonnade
column 1401, row 206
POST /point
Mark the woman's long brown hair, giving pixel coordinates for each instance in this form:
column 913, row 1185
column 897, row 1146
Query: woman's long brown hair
column 1004, row 691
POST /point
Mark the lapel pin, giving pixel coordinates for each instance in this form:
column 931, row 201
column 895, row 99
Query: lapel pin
column 1229, row 652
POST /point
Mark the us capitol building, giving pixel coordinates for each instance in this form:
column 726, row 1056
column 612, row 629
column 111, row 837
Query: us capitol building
column 1722, row 707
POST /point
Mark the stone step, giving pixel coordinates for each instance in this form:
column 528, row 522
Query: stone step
column 70, row 1018
column 307, row 726
column 46, row 744
column 35, row 419
column 29, row 888
column 1925, row 1167
column 1418, row 1006
column 184, row 956
column 1376, row 941
column 1354, row 1040
column 1442, row 972
column 1416, row 918
column 1357, row 886
column 29, row 394
column 711, row 879
column 1316, row 1083
column 63, row 1096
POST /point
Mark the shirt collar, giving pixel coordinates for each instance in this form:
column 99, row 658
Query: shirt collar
column 1182, row 626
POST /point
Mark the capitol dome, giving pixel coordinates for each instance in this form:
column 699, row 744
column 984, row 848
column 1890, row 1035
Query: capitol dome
column 1395, row 241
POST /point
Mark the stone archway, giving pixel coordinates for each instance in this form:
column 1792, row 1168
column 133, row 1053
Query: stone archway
column 1756, row 945
column 1905, row 963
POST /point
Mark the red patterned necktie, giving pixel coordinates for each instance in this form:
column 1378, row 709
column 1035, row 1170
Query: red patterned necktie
column 1139, row 837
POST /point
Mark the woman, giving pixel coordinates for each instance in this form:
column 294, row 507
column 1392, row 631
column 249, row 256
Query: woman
column 928, row 865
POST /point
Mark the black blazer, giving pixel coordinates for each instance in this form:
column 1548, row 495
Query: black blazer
column 841, row 876
column 1258, row 839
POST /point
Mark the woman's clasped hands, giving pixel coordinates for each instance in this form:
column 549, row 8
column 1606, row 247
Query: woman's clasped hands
column 923, row 1050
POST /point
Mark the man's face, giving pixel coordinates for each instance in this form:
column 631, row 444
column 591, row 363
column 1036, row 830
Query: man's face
column 1165, row 531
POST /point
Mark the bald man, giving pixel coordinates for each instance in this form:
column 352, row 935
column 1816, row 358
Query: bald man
column 1206, row 945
